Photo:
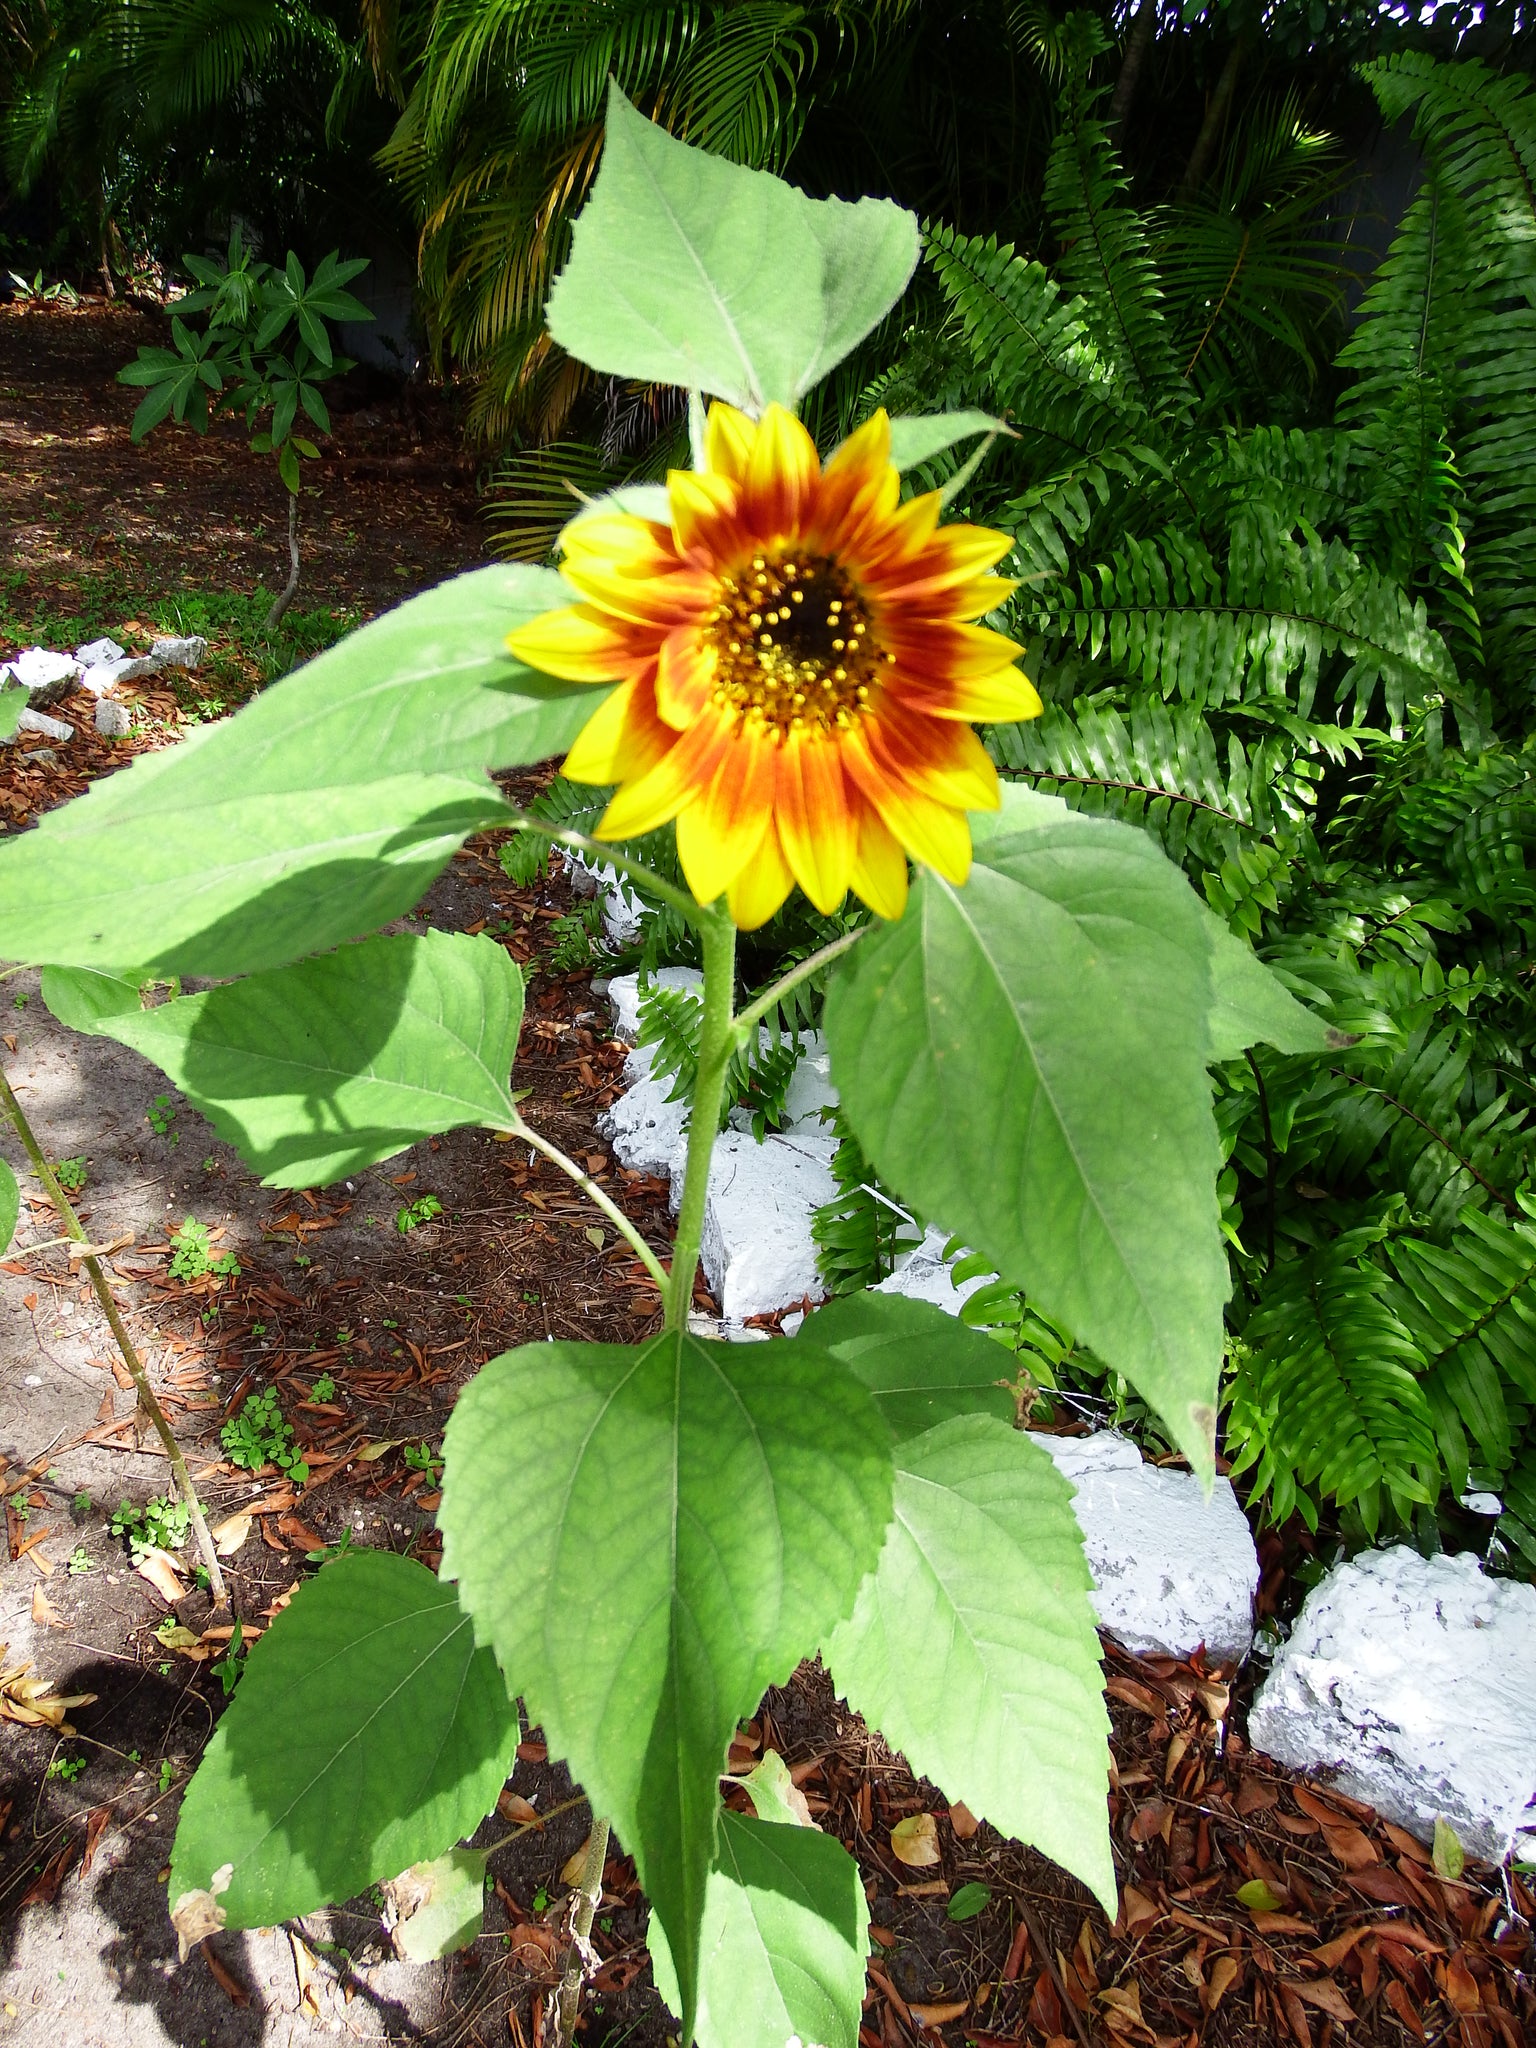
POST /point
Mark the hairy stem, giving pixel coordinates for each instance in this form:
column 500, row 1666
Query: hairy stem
column 717, row 1042
column 578, row 842
column 590, row 1891
column 761, row 1005
column 149, row 1406
column 594, row 1193
column 289, row 591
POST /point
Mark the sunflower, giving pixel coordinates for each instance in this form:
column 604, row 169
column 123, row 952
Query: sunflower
column 797, row 668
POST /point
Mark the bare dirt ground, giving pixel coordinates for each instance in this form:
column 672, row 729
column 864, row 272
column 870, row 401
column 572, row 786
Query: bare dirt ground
column 366, row 1333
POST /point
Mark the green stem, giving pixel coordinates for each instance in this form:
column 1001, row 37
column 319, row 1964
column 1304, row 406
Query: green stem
column 558, row 835
column 761, row 1005
column 594, row 1193
column 717, row 1042
column 149, row 1406
column 590, row 1892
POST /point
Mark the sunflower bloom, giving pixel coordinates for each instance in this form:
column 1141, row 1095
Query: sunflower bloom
column 798, row 666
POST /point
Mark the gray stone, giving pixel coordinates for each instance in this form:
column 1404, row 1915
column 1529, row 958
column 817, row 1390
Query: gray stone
column 94, row 652
column 113, row 719
column 39, row 721
column 169, row 652
column 1411, row 1681
column 1172, row 1570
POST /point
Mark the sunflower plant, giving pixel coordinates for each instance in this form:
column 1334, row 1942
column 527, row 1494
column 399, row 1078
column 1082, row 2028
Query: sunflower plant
column 781, row 656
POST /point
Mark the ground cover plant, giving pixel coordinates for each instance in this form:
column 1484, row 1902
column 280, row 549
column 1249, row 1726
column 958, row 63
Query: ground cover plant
column 751, row 1505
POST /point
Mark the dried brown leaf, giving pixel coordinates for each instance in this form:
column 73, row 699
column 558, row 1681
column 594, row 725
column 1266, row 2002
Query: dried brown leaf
column 915, row 1841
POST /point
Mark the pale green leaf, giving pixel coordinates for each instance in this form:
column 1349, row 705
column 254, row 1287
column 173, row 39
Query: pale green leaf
column 686, row 269
column 921, row 1365
column 784, row 1941
column 649, row 1538
column 1259, row 1897
column 320, row 811
column 319, row 1070
column 368, row 1733
column 80, row 997
column 12, row 705
column 1250, row 1005
column 10, row 1205
column 441, row 1905
column 919, row 437
column 973, row 1647
column 1049, row 1020
column 773, row 1792
column 1449, row 1858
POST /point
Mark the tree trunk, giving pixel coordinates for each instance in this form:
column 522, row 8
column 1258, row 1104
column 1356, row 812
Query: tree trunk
column 1216, row 112
column 1137, row 44
column 285, row 596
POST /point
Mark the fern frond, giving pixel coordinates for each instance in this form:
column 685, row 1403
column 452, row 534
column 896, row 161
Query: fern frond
column 1330, row 1397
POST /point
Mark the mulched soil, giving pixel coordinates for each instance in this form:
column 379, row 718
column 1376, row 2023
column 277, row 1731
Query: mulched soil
column 1357, row 1939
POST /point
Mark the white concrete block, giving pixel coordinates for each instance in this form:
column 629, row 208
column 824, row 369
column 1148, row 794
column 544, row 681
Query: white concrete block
column 644, row 1129
column 624, row 994
column 113, row 719
column 94, row 652
column 1172, row 1570
column 1412, row 1682
column 758, row 1253
column 171, row 652
column 923, row 1275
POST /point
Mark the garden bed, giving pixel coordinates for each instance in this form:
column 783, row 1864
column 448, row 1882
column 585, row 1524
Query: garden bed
column 1355, row 1936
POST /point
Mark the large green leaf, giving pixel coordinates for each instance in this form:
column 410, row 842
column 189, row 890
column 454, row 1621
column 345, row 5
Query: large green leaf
column 1024, row 1057
column 784, row 1942
column 921, row 1365
column 649, row 1538
column 321, row 1069
column 443, row 1905
column 80, row 997
column 10, row 1204
column 973, row 1647
column 368, row 1733
column 686, row 269
column 918, row 437
column 321, row 810
column 1250, row 1005
column 12, row 705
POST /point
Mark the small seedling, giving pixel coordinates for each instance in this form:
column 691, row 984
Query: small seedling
column 19, row 1506
column 258, row 1329
column 324, row 1388
column 230, row 1668
column 67, row 1768
column 259, row 1436
column 422, row 1210
column 422, row 1458
column 20, row 1001
column 161, row 1524
column 209, row 1163
column 135, row 1757
column 302, row 1259
column 79, row 1561
column 389, row 1323
column 162, row 1114
column 70, row 1174
column 191, row 1254
column 82, row 1502
column 167, row 1768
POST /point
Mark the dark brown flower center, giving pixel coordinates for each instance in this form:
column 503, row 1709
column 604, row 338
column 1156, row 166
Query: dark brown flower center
column 793, row 643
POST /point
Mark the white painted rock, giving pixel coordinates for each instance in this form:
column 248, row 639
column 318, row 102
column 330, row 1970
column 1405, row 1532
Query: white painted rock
column 102, row 677
column 922, row 1275
column 1412, row 1681
column 94, row 652
column 624, row 994
column 1172, row 1570
column 43, row 672
column 171, row 652
column 758, row 1253
column 644, row 1129
column 113, row 719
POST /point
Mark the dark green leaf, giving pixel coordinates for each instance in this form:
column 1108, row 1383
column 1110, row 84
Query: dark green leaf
column 921, row 1365
column 784, row 1941
column 968, row 1901
column 1049, row 1019
column 368, row 1733
column 1249, row 1005
column 319, row 1070
column 649, row 1538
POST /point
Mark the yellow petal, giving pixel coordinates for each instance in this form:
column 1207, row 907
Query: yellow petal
column 704, row 514
column 622, row 739
column 762, row 885
column 982, row 700
column 728, row 437
column 879, row 875
column 931, row 832
column 578, row 643
column 815, row 827
column 781, row 475
column 682, row 773
column 867, row 449
column 685, row 670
